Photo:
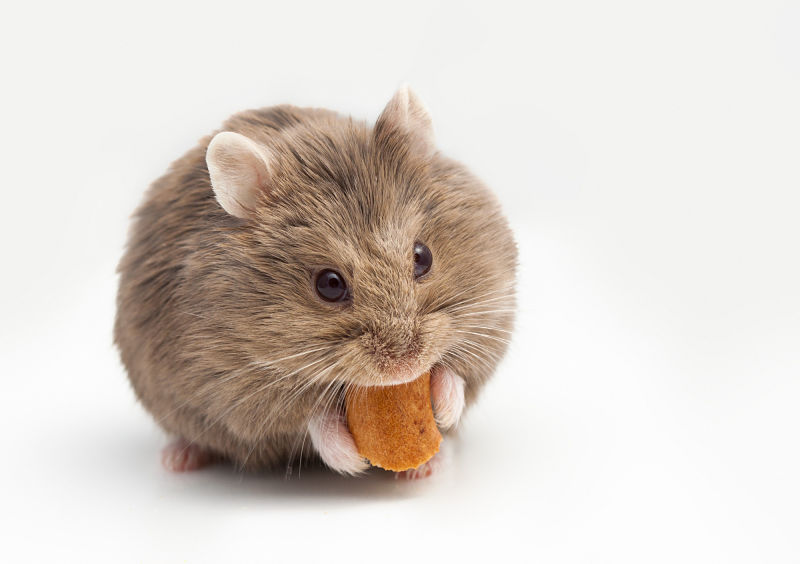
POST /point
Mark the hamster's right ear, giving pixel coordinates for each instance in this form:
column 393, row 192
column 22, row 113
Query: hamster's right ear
column 240, row 172
column 406, row 115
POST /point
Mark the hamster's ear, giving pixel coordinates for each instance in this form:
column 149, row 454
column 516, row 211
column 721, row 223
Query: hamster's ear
column 405, row 114
column 240, row 171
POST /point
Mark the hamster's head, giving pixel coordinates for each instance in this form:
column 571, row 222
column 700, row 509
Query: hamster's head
column 356, row 255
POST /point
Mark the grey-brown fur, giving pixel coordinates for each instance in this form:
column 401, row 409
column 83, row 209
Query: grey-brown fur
column 209, row 304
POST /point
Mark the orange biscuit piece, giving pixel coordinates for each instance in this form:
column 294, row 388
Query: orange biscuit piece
column 393, row 426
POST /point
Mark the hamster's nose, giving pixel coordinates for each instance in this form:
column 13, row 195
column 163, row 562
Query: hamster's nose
column 396, row 347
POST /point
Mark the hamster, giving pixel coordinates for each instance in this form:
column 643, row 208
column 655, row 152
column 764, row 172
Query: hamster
column 297, row 253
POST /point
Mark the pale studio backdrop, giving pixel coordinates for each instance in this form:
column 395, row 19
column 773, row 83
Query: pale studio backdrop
column 647, row 156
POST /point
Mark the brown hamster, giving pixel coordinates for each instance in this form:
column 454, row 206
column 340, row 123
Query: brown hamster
column 297, row 253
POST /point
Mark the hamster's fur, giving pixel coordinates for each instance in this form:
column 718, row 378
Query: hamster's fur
column 224, row 338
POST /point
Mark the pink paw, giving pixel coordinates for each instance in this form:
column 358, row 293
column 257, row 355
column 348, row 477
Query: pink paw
column 335, row 444
column 424, row 471
column 447, row 396
column 182, row 456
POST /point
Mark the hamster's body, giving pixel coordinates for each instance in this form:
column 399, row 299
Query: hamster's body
column 225, row 338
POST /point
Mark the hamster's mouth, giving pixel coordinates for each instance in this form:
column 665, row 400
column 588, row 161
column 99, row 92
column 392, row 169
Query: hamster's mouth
column 402, row 375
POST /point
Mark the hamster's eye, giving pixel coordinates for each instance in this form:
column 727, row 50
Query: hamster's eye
column 423, row 259
column 331, row 286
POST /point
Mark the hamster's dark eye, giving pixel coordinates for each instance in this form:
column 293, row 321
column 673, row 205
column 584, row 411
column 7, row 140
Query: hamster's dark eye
column 331, row 286
column 423, row 259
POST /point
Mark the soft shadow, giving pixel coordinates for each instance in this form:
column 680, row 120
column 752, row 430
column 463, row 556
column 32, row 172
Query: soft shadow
column 131, row 458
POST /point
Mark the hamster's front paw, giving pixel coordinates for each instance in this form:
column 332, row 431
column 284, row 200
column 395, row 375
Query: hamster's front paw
column 183, row 456
column 335, row 444
column 447, row 396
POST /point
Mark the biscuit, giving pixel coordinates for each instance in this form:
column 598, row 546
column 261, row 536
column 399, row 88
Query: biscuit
column 393, row 426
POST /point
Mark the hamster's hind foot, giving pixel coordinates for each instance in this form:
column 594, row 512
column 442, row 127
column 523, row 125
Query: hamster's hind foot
column 433, row 466
column 183, row 456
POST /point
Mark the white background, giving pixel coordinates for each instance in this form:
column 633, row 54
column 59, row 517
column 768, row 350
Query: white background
column 648, row 156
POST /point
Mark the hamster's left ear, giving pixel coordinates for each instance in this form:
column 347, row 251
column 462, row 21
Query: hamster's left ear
column 406, row 115
column 240, row 172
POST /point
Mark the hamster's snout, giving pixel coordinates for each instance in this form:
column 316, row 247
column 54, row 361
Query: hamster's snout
column 396, row 350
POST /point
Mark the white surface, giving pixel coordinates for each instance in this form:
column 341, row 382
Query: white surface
column 648, row 158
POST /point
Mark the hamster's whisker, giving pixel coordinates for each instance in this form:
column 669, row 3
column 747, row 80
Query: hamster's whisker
column 290, row 374
column 331, row 392
column 216, row 384
column 448, row 364
column 471, row 360
column 481, row 347
column 505, row 292
column 326, row 398
column 485, row 312
column 503, row 289
column 241, row 400
column 478, row 334
column 485, row 358
column 452, row 297
column 276, row 361
column 466, row 304
column 471, row 346
column 193, row 314
column 306, row 383
column 287, row 402
column 475, row 301
column 488, row 327
column 310, row 382
column 475, row 361
column 313, row 379
column 447, row 301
